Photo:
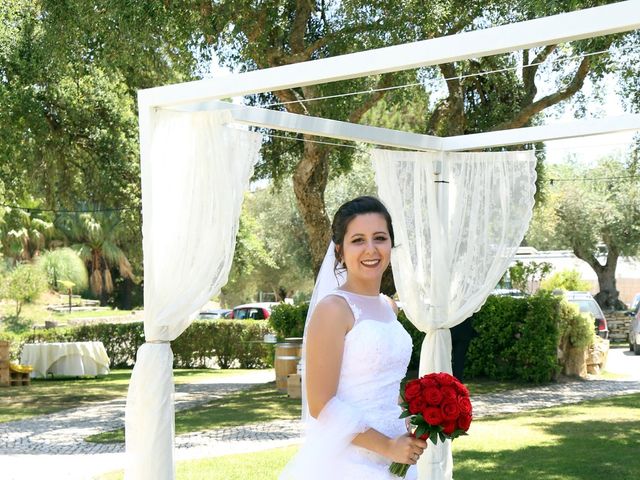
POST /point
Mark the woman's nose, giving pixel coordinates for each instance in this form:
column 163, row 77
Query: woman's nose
column 370, row 246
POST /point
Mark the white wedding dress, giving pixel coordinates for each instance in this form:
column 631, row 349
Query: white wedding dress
column 376, row 354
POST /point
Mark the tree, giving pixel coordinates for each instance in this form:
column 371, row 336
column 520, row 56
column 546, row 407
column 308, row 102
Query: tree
column 74, row 64
column 25, row 233
column 63, row 265
column 523, row 276
column 69, row 72
column 95, row 238
column 475, row 101
column 597, row 215
column 25, row 283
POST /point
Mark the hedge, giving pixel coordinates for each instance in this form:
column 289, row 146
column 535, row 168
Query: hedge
column 230, row 342
column 517, row 338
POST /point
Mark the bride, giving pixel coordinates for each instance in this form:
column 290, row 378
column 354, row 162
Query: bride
column 355, row 355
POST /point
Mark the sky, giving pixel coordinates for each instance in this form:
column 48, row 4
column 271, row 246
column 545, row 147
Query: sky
column 590, row 149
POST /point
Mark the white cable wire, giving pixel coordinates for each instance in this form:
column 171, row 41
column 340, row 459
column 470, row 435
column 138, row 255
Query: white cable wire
column 459, row 77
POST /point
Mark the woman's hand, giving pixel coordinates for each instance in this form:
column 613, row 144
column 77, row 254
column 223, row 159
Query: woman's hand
column 405, row 449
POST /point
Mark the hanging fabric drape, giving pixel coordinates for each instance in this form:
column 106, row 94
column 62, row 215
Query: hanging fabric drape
column 193, row 182
column 458, row 220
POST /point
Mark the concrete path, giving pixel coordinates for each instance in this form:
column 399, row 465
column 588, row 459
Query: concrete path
column 52, row 446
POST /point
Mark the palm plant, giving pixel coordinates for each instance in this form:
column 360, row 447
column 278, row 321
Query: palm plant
column 96, row 238
column 26, row 235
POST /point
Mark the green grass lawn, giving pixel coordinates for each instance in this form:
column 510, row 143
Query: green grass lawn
column 259, row 404
column 591, row 440
column 59, row 393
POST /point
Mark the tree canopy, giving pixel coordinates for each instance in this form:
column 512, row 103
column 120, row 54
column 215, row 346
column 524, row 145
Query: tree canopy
column 594, row 211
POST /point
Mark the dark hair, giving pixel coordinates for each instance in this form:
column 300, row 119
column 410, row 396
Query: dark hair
column 348, row 211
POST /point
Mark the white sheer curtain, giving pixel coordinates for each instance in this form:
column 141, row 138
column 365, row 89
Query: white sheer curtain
column 458, row 220
column 193, row 183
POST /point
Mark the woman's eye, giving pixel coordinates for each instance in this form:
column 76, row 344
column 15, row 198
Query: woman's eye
column 381, row 239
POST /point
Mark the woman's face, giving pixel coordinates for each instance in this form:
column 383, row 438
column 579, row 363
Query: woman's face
column 366, row 246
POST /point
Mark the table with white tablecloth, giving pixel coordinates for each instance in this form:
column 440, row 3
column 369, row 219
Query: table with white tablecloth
column 67, row 358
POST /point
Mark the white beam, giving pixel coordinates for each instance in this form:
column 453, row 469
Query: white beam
column 323, row 127
column 592, row 22
column 518, row 136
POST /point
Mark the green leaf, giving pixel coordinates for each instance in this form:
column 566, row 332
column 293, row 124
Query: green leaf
column 405, row 414
column 441, row 436
column 434, row 437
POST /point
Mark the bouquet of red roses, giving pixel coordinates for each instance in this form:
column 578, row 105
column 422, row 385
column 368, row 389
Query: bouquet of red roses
column 438, row 406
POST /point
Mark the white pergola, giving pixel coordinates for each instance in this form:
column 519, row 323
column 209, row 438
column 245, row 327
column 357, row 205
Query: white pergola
column 208, row 94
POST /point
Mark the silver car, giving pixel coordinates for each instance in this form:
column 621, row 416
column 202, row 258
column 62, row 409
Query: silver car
column 588, row 304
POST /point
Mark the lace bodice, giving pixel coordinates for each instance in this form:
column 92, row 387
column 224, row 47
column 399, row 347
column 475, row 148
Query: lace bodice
column 376, row 354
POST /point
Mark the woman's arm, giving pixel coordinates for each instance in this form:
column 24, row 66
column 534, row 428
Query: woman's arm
column 330, row 322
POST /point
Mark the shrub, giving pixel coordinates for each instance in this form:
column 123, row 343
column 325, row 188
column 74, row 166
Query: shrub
column 24, row 284
column 517, row 339
column 288, row 320
column 64, row 265
column 576, row 329
column 230, row 341
column 566, row 280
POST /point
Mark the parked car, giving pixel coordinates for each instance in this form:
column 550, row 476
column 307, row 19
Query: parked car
column 587, row 304
column 214, row 314
column 634, row 331
column 509, row 292
column 253, row 311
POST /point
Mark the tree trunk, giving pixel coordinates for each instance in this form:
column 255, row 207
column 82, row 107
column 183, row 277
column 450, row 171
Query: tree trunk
column 127, row 287
column 309, row 183
column 608, row 295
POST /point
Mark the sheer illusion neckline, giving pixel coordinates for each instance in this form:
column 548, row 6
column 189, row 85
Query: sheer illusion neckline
column 358, row 294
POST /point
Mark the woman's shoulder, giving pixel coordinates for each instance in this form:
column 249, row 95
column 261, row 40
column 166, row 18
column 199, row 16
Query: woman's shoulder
column 391, row 302
column 332, row 304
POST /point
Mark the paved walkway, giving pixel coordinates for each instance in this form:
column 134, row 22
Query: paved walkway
column 55, row 443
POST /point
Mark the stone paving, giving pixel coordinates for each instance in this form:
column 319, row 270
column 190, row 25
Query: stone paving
column 55, row 443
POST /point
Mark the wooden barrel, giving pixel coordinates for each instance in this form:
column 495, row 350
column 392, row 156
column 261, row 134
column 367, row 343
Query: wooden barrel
column 287, row 356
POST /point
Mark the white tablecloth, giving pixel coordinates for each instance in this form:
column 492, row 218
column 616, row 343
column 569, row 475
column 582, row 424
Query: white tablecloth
column 69, row 358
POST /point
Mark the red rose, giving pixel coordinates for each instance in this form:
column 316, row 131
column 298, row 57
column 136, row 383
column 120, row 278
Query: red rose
column 449, row 393
column 448, row 427
column 464, row 421
column 428, row 381
column 432, row 396
column 412, row 390
column 432, row 415
column 460, row 388
column 416, row 405
column 450, row 410
column 444, row 378
column 464, row 404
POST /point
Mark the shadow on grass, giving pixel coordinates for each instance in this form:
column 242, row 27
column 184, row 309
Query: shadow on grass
column 575, row 448
column 258, row 404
